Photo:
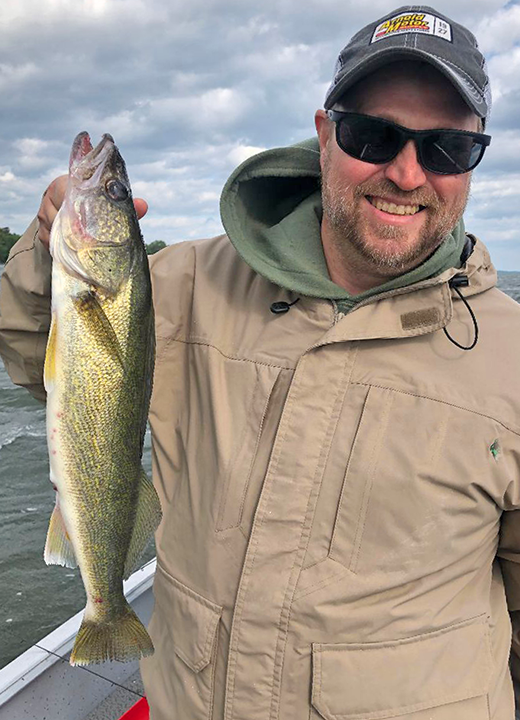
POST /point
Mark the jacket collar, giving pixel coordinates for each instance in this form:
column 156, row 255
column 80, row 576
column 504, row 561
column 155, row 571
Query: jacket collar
column 417, row 309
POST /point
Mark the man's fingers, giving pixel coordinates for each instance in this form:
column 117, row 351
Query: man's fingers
column 50, row 204
column 57, row 191
column 141, row 207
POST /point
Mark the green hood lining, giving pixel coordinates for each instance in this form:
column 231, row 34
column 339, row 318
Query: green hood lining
column 271, row 211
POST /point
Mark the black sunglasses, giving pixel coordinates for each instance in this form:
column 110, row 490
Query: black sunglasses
column 378, row 141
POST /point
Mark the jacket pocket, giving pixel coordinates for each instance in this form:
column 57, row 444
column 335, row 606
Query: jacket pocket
column 440, row 675
column 420, row 491
column 184, row 629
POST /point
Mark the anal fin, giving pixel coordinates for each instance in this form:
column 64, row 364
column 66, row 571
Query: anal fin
column 58, row 547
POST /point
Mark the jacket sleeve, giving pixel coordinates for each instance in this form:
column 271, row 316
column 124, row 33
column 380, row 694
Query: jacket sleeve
column 509, row 554
column 25, row 293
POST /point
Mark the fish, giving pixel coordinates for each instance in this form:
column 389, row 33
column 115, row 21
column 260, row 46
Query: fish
column 98, row 377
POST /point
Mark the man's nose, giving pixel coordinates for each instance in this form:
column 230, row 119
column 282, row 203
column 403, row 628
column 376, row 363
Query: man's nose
column 404, row 170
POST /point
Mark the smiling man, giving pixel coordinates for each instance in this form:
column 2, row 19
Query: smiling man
column 382, row 219
column 335, row 415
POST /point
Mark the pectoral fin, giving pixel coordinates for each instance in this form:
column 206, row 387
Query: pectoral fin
column 49, row 370
column 98, row 324
column 147, row 518
column 58, row 548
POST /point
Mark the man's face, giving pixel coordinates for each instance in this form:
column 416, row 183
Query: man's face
column 359, row 198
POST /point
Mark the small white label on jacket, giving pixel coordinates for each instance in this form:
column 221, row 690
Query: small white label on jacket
column 412, row 23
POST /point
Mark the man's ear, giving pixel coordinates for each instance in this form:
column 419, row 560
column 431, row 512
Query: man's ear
column 324, row 129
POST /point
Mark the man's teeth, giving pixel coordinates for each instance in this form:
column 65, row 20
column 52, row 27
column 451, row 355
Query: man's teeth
column 394, row 209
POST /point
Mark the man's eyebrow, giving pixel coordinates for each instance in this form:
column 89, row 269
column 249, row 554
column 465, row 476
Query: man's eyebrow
column 384, row 115
column 389, row 115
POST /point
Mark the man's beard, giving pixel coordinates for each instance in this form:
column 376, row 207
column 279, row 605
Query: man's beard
column 350, row 230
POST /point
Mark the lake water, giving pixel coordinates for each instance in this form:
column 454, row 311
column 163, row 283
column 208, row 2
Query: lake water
column 35, row 598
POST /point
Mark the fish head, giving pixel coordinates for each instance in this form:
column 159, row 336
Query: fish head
column 96, row 232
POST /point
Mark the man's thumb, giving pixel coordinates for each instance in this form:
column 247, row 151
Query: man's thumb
column 141, row 207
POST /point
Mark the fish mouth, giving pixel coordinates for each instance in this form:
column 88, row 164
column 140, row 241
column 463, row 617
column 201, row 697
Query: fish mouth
column 82, row 150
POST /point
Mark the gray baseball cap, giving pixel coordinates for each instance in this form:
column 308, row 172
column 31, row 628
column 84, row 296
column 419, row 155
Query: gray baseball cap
column 416, row 32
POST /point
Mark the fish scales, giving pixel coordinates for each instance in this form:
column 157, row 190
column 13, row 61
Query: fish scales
column 98, row 376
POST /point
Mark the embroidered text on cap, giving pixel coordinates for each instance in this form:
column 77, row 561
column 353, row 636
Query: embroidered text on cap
column 412, row 23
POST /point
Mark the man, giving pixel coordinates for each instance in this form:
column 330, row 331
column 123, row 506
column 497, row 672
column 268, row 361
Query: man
column 335, row 412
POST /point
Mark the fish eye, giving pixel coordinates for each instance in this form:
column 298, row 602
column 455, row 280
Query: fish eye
column 116, row 190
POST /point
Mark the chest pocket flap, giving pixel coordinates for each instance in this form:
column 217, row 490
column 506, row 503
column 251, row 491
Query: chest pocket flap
column 378, row 680
column 192, row 620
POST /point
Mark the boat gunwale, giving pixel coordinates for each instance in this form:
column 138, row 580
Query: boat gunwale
column 32, row 663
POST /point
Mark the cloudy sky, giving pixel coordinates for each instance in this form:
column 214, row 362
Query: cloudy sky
column 190, row 88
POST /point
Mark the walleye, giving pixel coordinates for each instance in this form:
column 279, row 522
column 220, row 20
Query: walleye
column 98, row 377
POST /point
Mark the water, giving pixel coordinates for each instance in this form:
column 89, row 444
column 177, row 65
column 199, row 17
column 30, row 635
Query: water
column 509, row 282
column 36, row 598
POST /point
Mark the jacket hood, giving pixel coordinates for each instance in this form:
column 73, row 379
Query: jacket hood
column 479, row 269
column 271, row 210
column 270, row 207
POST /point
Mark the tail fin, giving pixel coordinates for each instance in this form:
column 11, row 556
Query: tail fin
column 123, row 638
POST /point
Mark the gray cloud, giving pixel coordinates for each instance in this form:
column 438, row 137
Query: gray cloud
column 189, row 89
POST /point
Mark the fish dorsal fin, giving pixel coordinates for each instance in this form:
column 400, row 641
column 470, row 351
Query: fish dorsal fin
column 98, row 324
column 58, row 548
column 49, row 371
column 147, row 518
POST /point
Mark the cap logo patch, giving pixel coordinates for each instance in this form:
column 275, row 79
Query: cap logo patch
column 412, row 23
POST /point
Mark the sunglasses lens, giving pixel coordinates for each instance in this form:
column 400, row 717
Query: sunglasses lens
column 448, row 153
column 368, row 140
column 378, row 141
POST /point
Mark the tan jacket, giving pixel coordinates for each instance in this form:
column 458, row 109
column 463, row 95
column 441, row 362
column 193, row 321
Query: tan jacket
column 333, row 491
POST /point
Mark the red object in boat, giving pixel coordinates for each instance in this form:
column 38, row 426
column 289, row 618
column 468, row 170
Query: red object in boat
column 139, row 711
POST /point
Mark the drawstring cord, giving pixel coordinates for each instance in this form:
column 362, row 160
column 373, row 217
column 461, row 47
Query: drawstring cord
column 459, row 280
column 281, row 307
column 456, row 282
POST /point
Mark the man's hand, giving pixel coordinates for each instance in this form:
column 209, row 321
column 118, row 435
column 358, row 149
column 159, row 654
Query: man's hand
column 51, row 203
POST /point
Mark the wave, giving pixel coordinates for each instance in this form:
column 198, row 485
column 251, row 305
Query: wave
column 21, row 432
column 11, row 395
